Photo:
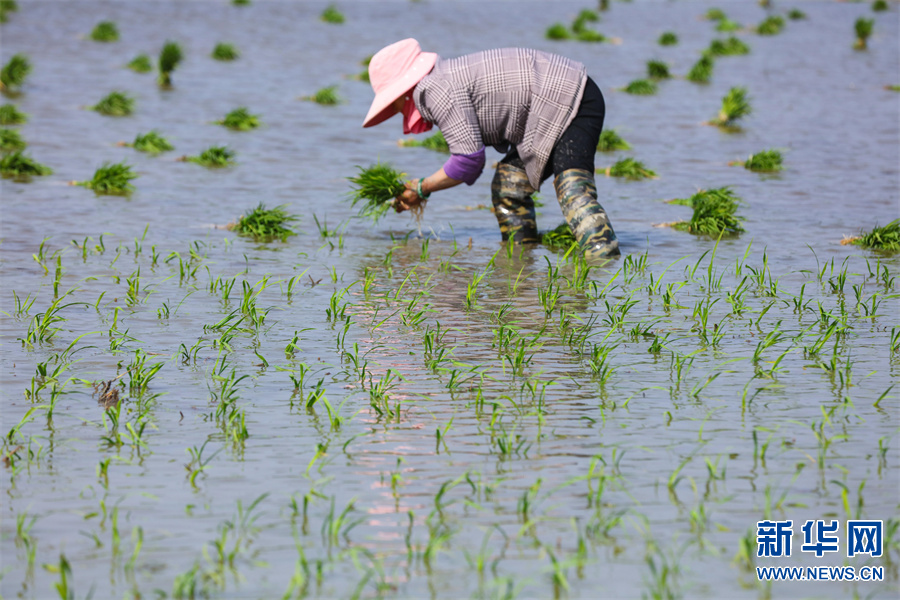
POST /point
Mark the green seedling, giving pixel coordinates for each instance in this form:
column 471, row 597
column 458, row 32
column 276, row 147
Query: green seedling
column 240, row 119
column 20, row 166
column 631, row 169
column 11, row 141
column 14, row 72
column 435, row 142
column 657, row 69
column 116, row 104
column 863, row 28
column 558, row 31
column 702, row 70
column 265, row 224
column 10, row 115
column 771, row 25
column 560, row 238
column 584, row 17
column 214, row 157
column 610, row 141
column 332, row 15
column 141, row 64
column 767, row 161
column 240, row 2
column 715, row 14
column 169, row 57
column 111, row 179
column 105, row 31
column 151, row 143
column 641, row 87
column 886, row 239
column 729, row 47
column 326, row 96
column 7, row 6
column 735, row 105
column 589, row 35
column 714, row 213
column 795, row 14
column 225, row 52
column 726, row 25
column 668, row 38
column 376, row 187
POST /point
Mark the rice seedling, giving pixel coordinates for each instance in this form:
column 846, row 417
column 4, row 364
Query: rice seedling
column 225, row 52
column 715, row 14
column 10, row 141
column 240, row 119
column 795, row 14
column 141, row 64
column 111, row 179
column 771, row 25
column 560, row 238
column 265, row 224
column 558, row 31
column 169, row 57
column 641, row 87
column 332, row 15
column 628, row 168
column 326, row 96
column 116, row 104
column 714, row 213
column 376, row 187
column 434, row 142
column 584, row 17
column 863, row 28
column 885, row 238
column 879, row 5
column 730, row 47
column 240, row 2
column 105, row 31
column 767, row 161
column 726, row 25
column 14, row 72
column 151, row 142
column 589, row 35
column 213, row 157
column 21, row 166
column 668, row 38
column 702, row 69
column 735, row 105
column 610, row 141
column 657, row 69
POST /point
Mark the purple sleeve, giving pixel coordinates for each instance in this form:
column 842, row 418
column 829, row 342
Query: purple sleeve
column 465, row 167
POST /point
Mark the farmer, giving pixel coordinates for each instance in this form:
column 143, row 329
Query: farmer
column 541, row 109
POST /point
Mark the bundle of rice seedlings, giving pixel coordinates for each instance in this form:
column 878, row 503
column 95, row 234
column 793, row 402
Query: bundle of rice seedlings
column 240, row 119
column 141, row 64
column 657, row 69
column 584, row 17
column 702, row 69
column 771, row 25
column 434, row 142
column 21, row 166
column 10, row 115
column 224, row 51
column 795, row 14
column 105, row 31
column 10, row 141
column 169, row 57
column 558, row 31
column 151, row 143
column 111, row 180
column 715, row 14
column 560, row 238
column 640, row 87
column 116, row 104
column 863, row 29
column 735, row 105
column 13, row 74
column 610, row 141
column 589, row 35
column 240, row 2
column 332, row 15
column 726, row 25
column 767, row 161
column 7, row 6
column 326, row 96
column 628, row 168
column 669, row 38
column 730, row 47
column 714, row 213
column 213, row 157
column 264, row 224
column 886, row 239
column 376, row 188
column 879, row 5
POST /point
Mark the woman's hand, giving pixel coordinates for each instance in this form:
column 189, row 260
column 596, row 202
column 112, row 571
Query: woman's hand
column 409, row 197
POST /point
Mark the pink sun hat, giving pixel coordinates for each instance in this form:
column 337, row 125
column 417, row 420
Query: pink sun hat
column 393, row 71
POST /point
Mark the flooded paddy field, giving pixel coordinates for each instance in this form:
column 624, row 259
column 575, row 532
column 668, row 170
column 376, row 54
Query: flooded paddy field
column 415, row 410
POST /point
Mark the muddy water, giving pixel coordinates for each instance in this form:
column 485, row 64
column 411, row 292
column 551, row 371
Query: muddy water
column 545, row 480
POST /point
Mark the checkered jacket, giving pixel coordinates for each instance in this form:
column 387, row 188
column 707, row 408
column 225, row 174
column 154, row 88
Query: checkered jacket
column 503, row 98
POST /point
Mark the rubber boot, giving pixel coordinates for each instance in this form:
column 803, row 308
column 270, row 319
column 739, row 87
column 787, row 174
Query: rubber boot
column 577, row 195
column 513, row 204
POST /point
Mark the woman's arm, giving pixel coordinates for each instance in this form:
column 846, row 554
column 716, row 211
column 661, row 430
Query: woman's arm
column 410, row 197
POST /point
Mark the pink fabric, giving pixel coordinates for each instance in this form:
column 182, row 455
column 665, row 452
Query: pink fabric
column 394, row 71
column 412, row 118
column 465, row 167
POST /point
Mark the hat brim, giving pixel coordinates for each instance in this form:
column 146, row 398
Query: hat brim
column 382, row 106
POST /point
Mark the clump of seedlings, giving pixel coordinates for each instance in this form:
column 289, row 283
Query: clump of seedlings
column 657, row 69
column 20, row 166
column 376, row 187
column 151, row 143
column 332, row 15
column 629, row 168
column 111, row 180
column 213, row 157
column 767, row 161
column 225, row 52
column 714, row 213
column 169, row 57
column 735, row 105
column 879, row 5
column 702, row 70
column 579, row 30
column 863, row 28
column 726, row 25
column 715, row 14
column 668, row 38
column 434, row 142
column 105, row 31
column 264, row 224
column 885, row 238
column 10, row 115
column 116, row 104
column 795, row 14
column 610, row 141
column 14, row 72
column 560, row 238
column 326, row 96
column 7, row 6
column 641, row 87
column 141, row 64
column 240, row 2
column 10, row 141
column 771, row 25
column 240, row 119
column 730, row 47
column 558, row 31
